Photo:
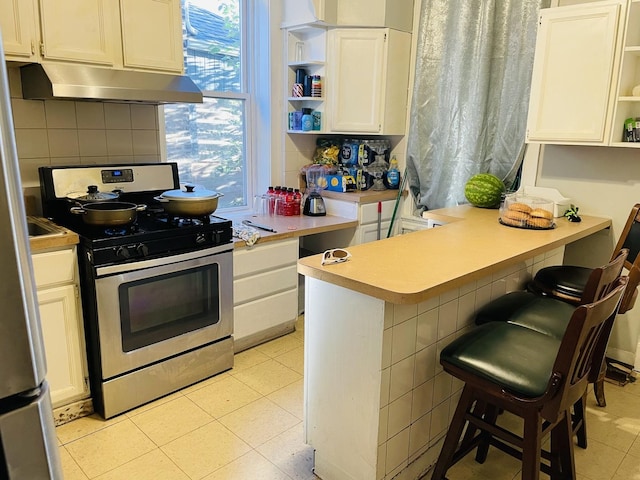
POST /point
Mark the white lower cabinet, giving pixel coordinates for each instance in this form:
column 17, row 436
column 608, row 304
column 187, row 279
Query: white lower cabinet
column 265, row 292
column 56, row 277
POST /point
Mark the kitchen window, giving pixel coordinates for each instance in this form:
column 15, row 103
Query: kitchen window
column 212, row 141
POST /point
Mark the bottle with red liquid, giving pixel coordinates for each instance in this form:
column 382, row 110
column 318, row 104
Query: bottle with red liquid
column 297, row 201
column 288, row 203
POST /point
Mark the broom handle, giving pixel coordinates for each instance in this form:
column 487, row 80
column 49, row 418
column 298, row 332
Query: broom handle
column 395, row 208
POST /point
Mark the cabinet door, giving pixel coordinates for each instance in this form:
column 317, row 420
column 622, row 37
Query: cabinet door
column 571, row 89
column 356, row 58
column 64, row 344
column 18, row 25
column 84, row 31
column 152, row 34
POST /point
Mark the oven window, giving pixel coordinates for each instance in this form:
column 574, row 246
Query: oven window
column 158, row 308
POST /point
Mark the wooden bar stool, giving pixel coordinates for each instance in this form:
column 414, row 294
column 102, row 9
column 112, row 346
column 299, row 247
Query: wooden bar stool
column 534, row 376
column 567, row 282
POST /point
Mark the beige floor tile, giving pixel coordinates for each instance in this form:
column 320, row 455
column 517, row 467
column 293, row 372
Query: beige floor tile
column 267, row 377
column 598, row 461
column 289, row 452
column 498, row 466
column 629, row 468
column 635, row 448
column 154, row 465
column 617, row 432
column 250, row 466
column 109, row 448
column 259, row 421
column 70, row 469
column 156, row 403
column 205, row 450
column 223, row 397
column 294, row 359
column 205, row 383
column 619, row 401
column 281, row 345
column 84, row 426
column 171, row 420
column 291, row 398
column 247, row 359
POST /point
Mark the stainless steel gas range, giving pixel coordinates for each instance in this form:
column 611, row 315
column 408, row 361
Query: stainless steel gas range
column 157, row 292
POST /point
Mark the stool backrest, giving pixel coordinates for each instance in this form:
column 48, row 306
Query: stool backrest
column 602, row 278
column 630, row 237
column 582, row 350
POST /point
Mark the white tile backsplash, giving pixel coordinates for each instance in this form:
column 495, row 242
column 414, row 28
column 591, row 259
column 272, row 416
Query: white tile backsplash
column 90, row 115
column 144, row 117
column 93, row 143
column 28, row 113
column 32, row 143
column 145, row 142
column 422, row 401
column 117, row 116
column 63, row 142
column 447, row 318
column 57, row 132
column 60, row 114
column 119, row 142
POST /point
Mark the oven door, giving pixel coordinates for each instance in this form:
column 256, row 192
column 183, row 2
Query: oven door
column 152, row 310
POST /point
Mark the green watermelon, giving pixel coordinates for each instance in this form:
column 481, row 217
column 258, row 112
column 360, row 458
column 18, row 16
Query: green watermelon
column 484, row 190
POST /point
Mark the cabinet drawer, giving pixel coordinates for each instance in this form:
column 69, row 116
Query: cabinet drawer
column 265, row 313
column 369, row 212
column 264, row 284
column 264, row 257
column 54, row 268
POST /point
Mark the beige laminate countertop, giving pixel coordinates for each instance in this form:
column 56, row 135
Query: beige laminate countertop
column 290, row 227
column 58, row 238
column 414, row 267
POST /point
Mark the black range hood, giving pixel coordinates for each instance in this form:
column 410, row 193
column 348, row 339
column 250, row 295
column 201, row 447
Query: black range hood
column 46, row 81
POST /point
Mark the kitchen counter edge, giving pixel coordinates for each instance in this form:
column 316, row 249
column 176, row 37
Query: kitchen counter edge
column 59, row 238
column 411, row 268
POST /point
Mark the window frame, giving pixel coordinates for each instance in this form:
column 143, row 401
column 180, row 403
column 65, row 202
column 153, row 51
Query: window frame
column 255, row 58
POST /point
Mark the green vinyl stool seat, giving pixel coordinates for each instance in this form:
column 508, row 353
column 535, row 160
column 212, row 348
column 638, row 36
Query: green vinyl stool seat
column 541, row 314
column 517, row 358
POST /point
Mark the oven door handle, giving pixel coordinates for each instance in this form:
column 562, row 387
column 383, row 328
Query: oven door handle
column 156, row 262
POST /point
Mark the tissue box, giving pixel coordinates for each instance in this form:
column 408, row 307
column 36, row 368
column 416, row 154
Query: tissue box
column 560, row 204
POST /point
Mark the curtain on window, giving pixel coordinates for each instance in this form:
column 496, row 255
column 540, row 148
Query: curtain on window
column 471, row 94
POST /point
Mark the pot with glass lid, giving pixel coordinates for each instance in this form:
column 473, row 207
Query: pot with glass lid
column 190, row 201
column 92, row 195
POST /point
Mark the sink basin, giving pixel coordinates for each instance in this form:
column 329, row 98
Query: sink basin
column 37, row 229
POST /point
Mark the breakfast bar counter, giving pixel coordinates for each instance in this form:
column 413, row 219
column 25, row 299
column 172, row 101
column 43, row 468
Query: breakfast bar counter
column 377, row 402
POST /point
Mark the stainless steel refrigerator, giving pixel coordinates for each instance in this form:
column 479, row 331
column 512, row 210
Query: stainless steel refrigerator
column 28, row 447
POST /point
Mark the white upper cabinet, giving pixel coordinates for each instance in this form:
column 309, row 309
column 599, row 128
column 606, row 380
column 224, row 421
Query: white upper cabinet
column 144, row 44
column 367, row 80
column 575, row 74
column 131, row 34
column 80, row 31
column 18, row 24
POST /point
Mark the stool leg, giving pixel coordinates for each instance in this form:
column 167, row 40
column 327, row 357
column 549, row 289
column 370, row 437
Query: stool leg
column 490, row 416
column 453, row 434
column 598, row 389
column 580, row 417
column 532, row 443
column 562, row 460
column 598, row 386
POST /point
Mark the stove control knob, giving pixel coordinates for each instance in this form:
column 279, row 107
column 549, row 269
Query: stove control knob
column 142, row 250
column 122, row 252
column 200, row 238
